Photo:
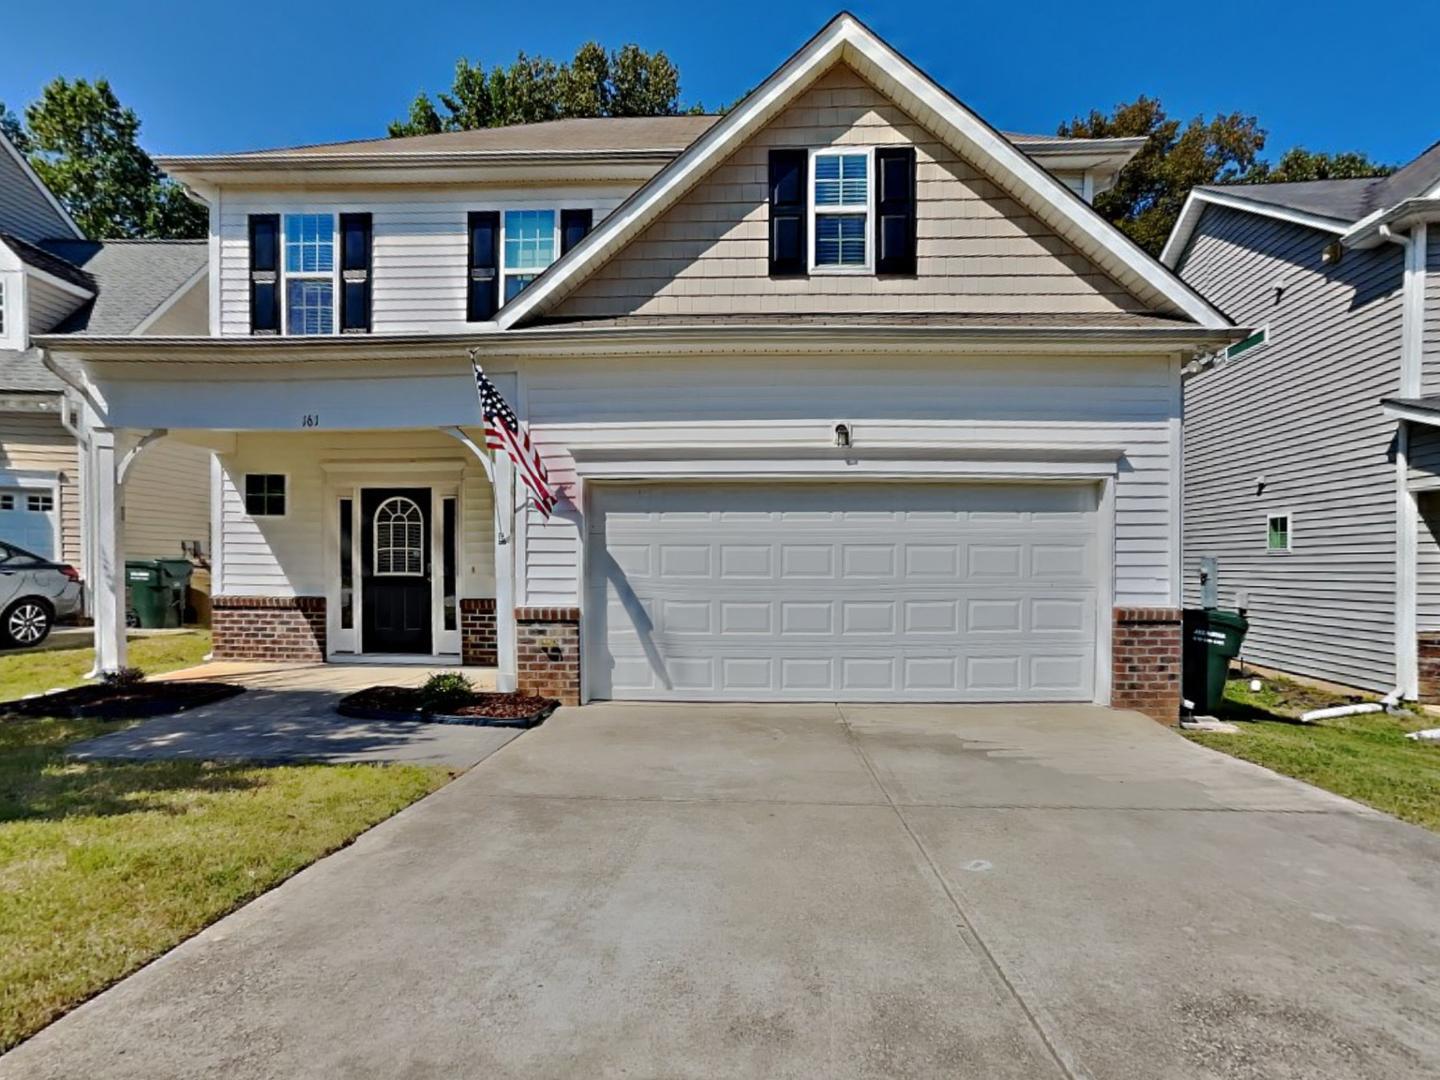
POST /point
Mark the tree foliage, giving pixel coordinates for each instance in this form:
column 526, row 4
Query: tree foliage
column 85, row 146
column 1225, row 149
column 626, row 82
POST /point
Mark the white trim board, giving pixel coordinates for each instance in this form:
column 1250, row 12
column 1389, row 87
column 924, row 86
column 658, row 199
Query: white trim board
column 1197, row 200
column 846, row 39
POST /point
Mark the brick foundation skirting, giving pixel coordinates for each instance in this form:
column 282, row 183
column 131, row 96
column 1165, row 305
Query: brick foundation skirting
column 478, row 641
column 287, row 628
column 1145, row 662
column 1428, row 644
column 548, row 652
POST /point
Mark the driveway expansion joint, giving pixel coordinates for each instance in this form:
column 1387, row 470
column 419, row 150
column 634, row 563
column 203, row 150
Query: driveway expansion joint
column 968, row 931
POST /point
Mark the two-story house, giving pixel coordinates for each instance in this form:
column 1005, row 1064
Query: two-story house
column 53, row 280
column 847, row 395
column 1312, row 451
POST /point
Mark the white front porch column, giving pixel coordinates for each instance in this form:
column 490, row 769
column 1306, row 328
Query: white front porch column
column 108, row 588
column 505, row 569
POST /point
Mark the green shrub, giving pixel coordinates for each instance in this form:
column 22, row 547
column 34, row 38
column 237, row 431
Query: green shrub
column 125, row 676
column 445, row 689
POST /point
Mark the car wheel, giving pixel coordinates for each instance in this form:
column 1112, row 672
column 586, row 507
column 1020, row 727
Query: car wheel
column 26, row 622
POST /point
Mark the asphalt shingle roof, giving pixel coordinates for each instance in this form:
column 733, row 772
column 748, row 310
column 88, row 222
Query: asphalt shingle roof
column 54, row 265
column 21, row 372
column 1344, row 200
column 131, row 278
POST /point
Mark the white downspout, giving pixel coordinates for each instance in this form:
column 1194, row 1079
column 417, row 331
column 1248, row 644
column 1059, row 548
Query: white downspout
column 1407, row 513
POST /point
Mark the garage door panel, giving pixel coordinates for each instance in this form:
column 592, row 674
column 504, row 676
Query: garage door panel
column 989, row 594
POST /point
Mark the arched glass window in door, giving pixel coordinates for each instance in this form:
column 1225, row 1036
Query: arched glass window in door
column 399, row 537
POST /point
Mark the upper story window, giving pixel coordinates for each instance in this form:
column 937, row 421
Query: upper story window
column 530, row 244
column 309, row 273
column 840, row 197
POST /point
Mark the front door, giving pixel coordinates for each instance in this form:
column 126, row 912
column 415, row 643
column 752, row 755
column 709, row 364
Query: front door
column 395, row 570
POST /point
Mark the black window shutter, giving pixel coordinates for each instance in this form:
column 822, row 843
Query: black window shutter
column 895, row 211
column 574, row 224
column 264, row 273
column 355, row 245
column 483, row 288
column 788, row 212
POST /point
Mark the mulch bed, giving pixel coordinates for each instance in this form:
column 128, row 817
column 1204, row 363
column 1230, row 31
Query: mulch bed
column 136, row 702
column 478, row 709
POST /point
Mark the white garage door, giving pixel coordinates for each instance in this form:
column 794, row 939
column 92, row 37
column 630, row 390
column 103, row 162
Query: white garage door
column 843, row 592
column 28, row 519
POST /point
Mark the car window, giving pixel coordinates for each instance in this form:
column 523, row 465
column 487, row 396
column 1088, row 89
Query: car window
column 13, row 557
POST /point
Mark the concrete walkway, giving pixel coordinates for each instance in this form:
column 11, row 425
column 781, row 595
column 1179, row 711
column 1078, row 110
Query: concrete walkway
column 709, row 892
column 288, row 714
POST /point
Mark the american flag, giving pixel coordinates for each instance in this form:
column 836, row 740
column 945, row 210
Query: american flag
column 503, row 431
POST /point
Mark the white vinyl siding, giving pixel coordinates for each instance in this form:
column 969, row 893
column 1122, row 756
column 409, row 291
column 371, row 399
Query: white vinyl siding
column 1297, row 425
column 167, row 500
column 419, row 244
column 40, row 444
column 1130, row 404
column 287, row 556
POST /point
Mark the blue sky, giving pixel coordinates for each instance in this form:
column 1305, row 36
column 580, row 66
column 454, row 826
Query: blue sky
column 294, row 72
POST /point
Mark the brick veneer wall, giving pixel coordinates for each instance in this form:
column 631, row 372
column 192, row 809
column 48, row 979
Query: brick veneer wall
column 478, row 641
column 1145, row 662
column 1429, row 649
column 268, row 628
column 548, row 652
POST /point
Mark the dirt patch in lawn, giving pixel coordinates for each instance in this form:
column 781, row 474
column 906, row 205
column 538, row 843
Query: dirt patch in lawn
column 479, row 708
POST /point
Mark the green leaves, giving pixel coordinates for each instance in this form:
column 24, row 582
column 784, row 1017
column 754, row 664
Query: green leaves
column 627, row 82
column 85, row 146
column 1224, row 149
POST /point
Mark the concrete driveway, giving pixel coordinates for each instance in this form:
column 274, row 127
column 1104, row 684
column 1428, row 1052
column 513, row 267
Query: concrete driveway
column 684, row 891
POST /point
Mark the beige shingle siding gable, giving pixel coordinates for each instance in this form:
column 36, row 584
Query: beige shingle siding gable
column 978, row 251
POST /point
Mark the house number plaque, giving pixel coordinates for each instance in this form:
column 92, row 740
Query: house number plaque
column 310, row 419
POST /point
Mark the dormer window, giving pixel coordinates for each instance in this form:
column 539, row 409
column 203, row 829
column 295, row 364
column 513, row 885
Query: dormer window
column 840, row 196
column 530, row 244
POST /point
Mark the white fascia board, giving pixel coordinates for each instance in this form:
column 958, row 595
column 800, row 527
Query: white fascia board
column 59, row 282
column 1365, row 233
column 846, row 38
column 34, row 178
column 1196, row 202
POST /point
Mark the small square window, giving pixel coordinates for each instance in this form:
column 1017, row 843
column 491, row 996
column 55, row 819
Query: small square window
column 40, row 504
column 265, row 494
column 1277, row 532
column 7, row 502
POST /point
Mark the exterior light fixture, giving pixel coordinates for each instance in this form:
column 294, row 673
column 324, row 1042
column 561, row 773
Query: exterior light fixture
column 842, row 435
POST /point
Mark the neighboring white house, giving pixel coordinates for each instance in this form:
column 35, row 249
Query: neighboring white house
column 1320, row 503
column 54, row 280
column 847, row 394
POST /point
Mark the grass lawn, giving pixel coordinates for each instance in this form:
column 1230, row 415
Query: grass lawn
column 1365, row 758
column 105, row 865
column 24, row 673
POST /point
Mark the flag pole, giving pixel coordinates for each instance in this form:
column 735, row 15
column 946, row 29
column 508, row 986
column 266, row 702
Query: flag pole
column 503, row 492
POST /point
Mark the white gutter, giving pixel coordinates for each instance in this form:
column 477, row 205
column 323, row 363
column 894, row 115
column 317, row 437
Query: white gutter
column 1407, row 512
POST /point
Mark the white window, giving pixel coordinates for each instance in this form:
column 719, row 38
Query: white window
column 309, row 273
column 399, row 537
column 7, row 502
column 530, row 241
column 265, row 494
column 40, row 504
column 1277, row 532
column 840, row 201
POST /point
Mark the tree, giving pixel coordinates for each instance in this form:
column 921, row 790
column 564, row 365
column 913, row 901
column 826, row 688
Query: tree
column 1298, row 163
column 85, row 146
column 1151, row 190
column 627, row 82
column 11, row 128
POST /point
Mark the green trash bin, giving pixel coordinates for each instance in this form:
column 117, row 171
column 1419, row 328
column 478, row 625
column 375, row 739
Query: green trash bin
column 157, row 590
column 1212, row 639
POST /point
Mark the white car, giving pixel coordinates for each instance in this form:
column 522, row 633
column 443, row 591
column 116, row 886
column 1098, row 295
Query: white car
column 34, row 593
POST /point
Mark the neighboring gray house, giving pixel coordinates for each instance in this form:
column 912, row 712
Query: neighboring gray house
column 1312, row 451
column 54, row 280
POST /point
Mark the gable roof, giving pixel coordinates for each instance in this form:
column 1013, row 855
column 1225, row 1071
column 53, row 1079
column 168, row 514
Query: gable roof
column 846, row 39
column 1329, row 205
column 131, row 279
column 44, row 201
column 37, row 258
